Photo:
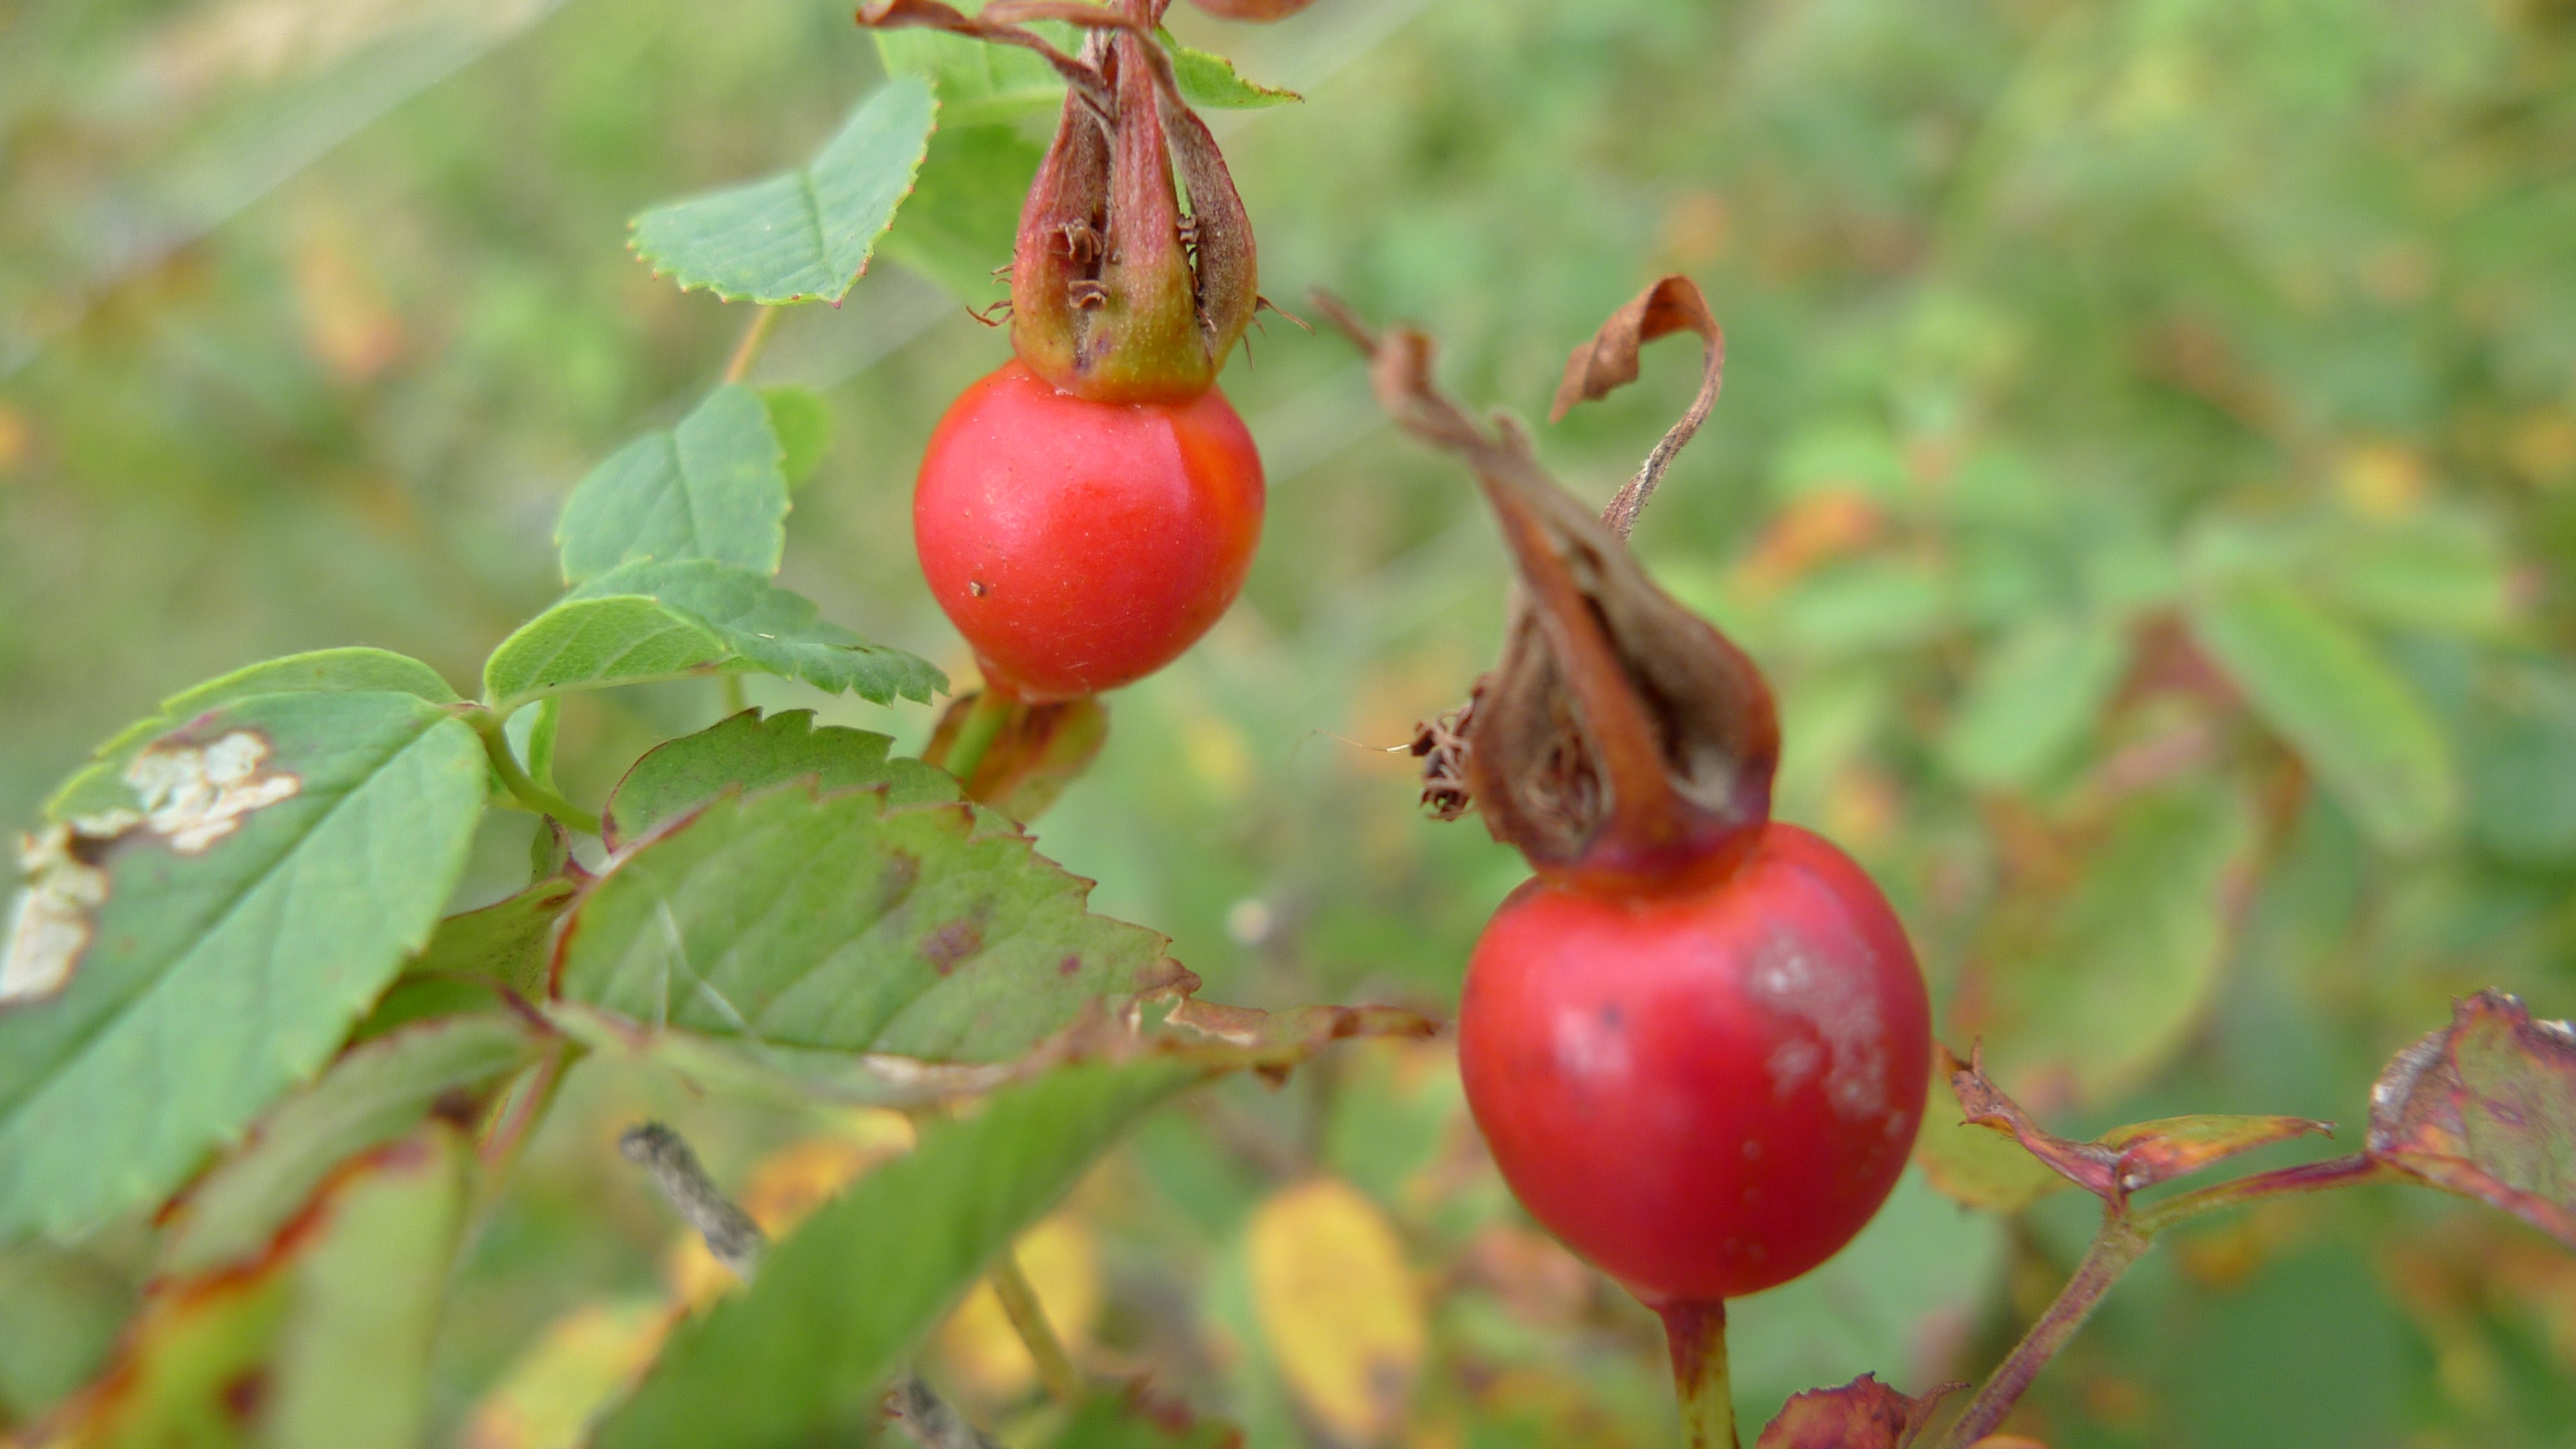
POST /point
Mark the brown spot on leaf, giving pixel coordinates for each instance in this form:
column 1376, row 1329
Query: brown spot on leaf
column 894, row 884
column 952, row 943
column 246, row 1395
column 1069, row 966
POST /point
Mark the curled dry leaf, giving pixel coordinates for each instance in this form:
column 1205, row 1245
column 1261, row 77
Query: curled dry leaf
column 2125, row 1159
column 2486, row 1107
column 1609, row 362
column 1862, row 1414
column 1620, row 738
column 1041, row 749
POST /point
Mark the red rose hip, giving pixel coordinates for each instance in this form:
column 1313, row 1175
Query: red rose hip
column 1080, row 545
column 1706, row 1090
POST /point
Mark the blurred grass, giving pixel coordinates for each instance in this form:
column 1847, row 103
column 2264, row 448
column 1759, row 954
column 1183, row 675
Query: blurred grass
column 2053, row 329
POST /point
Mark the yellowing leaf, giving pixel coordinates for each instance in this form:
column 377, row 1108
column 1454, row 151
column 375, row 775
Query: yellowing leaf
column 583, row 1360
column 1063, row 1265
column 1337, row 1306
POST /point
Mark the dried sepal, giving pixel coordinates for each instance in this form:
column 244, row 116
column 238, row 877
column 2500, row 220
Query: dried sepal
column 1621, row 738
column 1608, row 362
column 2125, row 1159
column 1862, row 1414
column 2486, row 1107
column 1117, row 293
column 993, row 26
column 1253, row 10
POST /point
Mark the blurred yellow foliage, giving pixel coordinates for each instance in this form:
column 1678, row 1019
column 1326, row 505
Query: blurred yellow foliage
column 1337, row 1306
column 1063, row 1265
column 581, row 1362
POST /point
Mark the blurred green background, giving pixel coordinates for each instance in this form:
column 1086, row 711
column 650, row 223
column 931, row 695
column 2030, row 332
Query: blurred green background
column 2147, row 470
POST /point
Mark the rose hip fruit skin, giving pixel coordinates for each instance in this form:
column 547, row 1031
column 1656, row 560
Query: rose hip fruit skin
column 1077, row 545
column 1707, row 1090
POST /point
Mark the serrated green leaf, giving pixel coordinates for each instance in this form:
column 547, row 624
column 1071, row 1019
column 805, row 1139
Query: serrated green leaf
column 803, row 427
column 978, row 84
column 650, row 620
column 246, row 922
column 750, row 752
column 595, row 642
column 806, row 235
column 767, row 627
column 843, row 1300
column 963, row 217
column 374, row 1093
column 2351, row 716
column 2032, row 698
column 2106, row 984
column 1210, row 81
column 97, row 785
column 712, row 487
column 842, row 922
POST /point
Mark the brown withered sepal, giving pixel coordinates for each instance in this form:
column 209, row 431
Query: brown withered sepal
column 1621, row 738
column 1134, row 272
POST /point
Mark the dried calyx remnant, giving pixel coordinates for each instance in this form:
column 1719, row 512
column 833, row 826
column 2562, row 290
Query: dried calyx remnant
column 1620, row 739
column 1125, row 288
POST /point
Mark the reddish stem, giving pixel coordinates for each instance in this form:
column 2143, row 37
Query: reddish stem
column 1696, row 1333
column 2122, row 1241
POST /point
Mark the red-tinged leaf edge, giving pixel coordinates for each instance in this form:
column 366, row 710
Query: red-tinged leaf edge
column 1862, row 1414
column 2486, row 1108
column 2125, row 1159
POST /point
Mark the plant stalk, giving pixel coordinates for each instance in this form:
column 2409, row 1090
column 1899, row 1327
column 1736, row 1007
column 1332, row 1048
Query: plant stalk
column 2118, row 1245
column 730, row 690
column 514, row 778
column 1696, row 1333
column 1028, row 1319
column 745, row 351
column 976, row 734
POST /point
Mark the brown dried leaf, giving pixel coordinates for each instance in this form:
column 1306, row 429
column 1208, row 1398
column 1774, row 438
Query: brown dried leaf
column 2125, row 1159
column 1862, row 1414
column 1609, row 362
column 1270, row 1042
column 2486, row 1107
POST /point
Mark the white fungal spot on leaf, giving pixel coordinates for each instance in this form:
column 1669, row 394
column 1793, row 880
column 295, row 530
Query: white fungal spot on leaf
column 195, row 795
column 191, row 796
column 49, row 921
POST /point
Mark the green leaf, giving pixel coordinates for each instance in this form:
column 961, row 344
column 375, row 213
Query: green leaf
column 99, row 786
column 333, row 1326
column 805, row 235
column 848, row 1295
column 803, row 427
column 1209, row 81
column 839, row 921
column 708, row 488
column 978, row 84
column 2032, row 699
column 2351, row 716
column 2486, row 1108
column 477, row 960
column 769, row 628
column 651, row 620
column 2105, row 984
column 750, row 752
column 963, row 217
column 595, row 642
column 374, row 1093
column 2521, row 760
column 287, row 852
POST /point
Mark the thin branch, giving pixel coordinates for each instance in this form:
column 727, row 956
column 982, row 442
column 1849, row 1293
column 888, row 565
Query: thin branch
column 2118, row 1246
column 1028, row 1319
column 737, row 1242
column 2334, row 1172
column 762, row 320
column 514, row 778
